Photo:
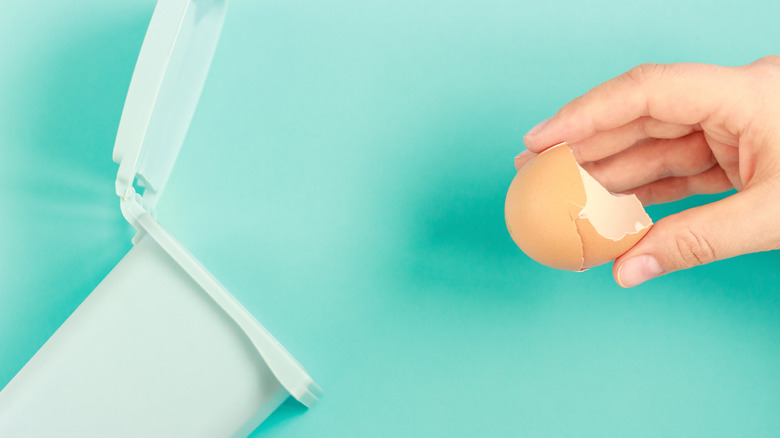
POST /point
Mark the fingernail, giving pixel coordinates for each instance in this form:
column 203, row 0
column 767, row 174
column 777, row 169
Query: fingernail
column 522, row 158
column 538, row 128
column 637, row 270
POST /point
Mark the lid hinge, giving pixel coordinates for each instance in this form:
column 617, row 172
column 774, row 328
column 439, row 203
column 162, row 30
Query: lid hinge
column 133, row 208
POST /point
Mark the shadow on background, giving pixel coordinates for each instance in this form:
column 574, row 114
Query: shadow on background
column 67, row 228
column 288, row 410
column 456, row 238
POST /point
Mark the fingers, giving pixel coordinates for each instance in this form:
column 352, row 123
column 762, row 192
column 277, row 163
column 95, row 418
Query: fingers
column 606, row 143
column 523, row 158
column 727, row 157
column 665, row 132
column 684, row 94
column 742, row 223
column 652, row 160
column 671, row 189
column 658, row 171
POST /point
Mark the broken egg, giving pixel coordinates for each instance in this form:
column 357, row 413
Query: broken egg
column 560, row 216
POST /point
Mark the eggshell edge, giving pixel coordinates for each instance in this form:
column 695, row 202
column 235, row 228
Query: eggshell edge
column 598, row 249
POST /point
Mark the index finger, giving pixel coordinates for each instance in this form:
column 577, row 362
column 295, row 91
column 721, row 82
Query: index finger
column 674, row 93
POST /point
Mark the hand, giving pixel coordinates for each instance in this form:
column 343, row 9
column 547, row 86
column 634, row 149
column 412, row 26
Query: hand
column 665, row 132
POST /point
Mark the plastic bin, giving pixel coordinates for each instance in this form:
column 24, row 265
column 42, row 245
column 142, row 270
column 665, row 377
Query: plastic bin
column 159, row 348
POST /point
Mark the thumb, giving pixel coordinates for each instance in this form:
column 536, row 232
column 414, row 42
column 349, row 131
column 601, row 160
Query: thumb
column 748, row 221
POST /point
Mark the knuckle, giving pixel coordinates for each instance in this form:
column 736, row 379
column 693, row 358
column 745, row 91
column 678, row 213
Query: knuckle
column 645, row 126
column 643, row 72
column 568, row 110
column 766, row 70
column 770, row 59
column 693, row 248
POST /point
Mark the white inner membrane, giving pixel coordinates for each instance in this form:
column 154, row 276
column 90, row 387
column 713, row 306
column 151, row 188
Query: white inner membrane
column 613, row 216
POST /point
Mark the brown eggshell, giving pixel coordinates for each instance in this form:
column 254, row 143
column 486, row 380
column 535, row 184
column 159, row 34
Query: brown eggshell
column 550, row 217
column 537, row 209
column 598, row 250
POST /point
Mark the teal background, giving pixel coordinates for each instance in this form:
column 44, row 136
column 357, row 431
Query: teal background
column 344, row 177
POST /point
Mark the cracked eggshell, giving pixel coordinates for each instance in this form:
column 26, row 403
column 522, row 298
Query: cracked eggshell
column 563, row 218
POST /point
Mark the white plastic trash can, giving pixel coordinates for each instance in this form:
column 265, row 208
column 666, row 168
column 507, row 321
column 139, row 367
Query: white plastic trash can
column 159, row 348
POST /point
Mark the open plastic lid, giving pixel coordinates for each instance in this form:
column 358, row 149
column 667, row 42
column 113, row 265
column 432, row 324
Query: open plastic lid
column 164, row 91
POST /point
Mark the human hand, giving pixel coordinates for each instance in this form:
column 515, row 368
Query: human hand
column 665, row 132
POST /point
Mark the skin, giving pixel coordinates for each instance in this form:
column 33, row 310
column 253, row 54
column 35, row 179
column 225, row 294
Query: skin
column 668, row 131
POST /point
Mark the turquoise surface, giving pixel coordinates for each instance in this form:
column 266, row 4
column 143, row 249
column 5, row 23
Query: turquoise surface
column 344, row 177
